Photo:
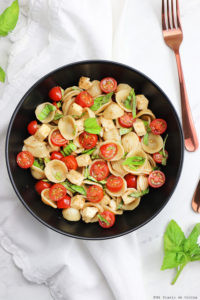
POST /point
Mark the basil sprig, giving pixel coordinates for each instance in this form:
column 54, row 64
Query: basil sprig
column 134, row 162
column 123, row 130
column 146, row 136
column 9, row 18
column 48, row 108
column 91, row 125
column 39, row 163
column 139, row 194
column 99, row 101
column 178, row 250
column 89, row 151
column 71, row 147
column 74, row 188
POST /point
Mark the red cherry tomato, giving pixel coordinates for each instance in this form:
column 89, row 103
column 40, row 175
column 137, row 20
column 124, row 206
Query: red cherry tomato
column 131, row 181
column 108, row 151
column 57, row 192
column 41, row 185
column 99, row 170
column 108, row 85
column 158, row 126
column 25, row 159
column 55, row 93
column 158, row 157
column 95, row 193
column 84, row 99
column 70, row 162
column 56, row 155
column 88, row 140
column 114, row 183
column 57, row 139
column 126, row 120
column 65, row 202
column 156, row 179
column 32, row 127
column 109, row 219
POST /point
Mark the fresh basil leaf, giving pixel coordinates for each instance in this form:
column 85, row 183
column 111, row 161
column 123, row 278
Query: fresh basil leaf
column 91, row 125
column 172, row 260
column 46, row 111
column 99, row 101
column 78, row 189
column 39, row 163
column 86, row 172
column 71, row 147
column 62, row 152
column 191, row 246
column 94, row 180
column 2, row 75
column 58, row 104
column 46, row 160
column 139, row 194
column 58, row 176
column 95, row 156
column 119, row 206
column 125, row 154
column 46, row 180
column 102, row 219
column 146, row 139
column 174, row 238
column 57, row 116
column 123, row 130
column 67, row 185
column 128, row 103
column 9, row 18
column 156, row 168
column 90, row 151
column 134, row 161
column 164, row 161
column 146, row 124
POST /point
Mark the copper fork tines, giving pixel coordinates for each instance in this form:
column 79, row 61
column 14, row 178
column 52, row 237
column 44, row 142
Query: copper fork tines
column 173, row 36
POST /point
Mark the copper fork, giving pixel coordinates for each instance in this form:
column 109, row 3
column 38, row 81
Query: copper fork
column 173, row 36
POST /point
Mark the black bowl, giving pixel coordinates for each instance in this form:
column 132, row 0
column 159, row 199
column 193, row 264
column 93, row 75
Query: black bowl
column 23, row 182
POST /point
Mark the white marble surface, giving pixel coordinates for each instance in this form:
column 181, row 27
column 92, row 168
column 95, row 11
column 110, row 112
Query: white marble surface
column 13, row 285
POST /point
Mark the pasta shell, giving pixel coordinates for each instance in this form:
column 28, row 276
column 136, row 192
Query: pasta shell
column 46, row 199
column 37, row 173
column 56, row 171
column 95, row 89
column 151, row 161
column 132, row 205
column 84, row 83
column 67, row 127
column 140, row 169
column 88, row 182
column 142, row 102
column 39, row 151
column 116, row 168
column 103, row 106
column 113, row 111
column 121, row 192
column 123, row 86
column 121, row 97
column 50, row 116
column 120, row 150
column 130, row 142
column 77, row 202
column 146, row 112
column 66, row 105
column 52, row 147
column 71, row 214
column 112, row 134
column 127, row 199
column 88, row 113
column 69, row 94
column 155, row 144
column 105, row 201
column 114, row 211
column 75, row 110
column 142, row 182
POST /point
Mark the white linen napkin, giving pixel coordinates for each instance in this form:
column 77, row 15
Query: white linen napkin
column 49, row 34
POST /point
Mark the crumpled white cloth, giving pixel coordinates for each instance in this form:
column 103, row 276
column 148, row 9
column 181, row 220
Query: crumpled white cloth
column 49, row 34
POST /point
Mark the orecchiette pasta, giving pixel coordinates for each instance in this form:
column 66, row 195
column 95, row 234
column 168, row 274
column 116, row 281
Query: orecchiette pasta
column 96, row 151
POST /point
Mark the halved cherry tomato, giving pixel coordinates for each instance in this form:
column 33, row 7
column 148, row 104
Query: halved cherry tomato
column 131, row 181
column 88, row 140
column 126, row 120
column 32, row 127
column 95, row 193
column 84, row 99
column 109, row 218
column 41, row 185
column 156, row 179
column 158, row 157
column 57, row 139
column 65, row 202
column 25, row 159
column 99, row 170
column 56, row 155
column 70, row 162
column 108, row 85
column 108, row 151
column 158, row 126
column 114, row 183
column 57, row 192
column 55, row 93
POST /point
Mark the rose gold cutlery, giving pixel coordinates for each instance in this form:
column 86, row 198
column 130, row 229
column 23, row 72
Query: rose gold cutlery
column 173, row 36
column 196, row 199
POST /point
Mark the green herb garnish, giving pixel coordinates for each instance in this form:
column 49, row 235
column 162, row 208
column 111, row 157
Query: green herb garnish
column 9, row 18
column 163, row 153
column 139, row 194
column 134, row 162
column 57, row 116
column 46, row 111
column 90, row 151
column 2, row 75
column 119, row 206
column 67, row 185
column 91, row 125
column 95, row 156
column 134, row 105
column 179, row 250
column 39, row 163
column 58, row 176
column 74, row 188
column 99, row 101
column 123, row 130
column 46, row 160
column 102, row 219
column 148, row 129
column 71, row 147
column 58, row 104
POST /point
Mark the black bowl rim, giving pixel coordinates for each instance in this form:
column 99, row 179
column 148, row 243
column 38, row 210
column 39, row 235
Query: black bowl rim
column 16, row 111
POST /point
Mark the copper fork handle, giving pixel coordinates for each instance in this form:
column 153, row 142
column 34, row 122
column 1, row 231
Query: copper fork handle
column 190, row 135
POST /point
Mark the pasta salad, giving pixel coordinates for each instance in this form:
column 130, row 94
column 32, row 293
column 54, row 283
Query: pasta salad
column 94, row 150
